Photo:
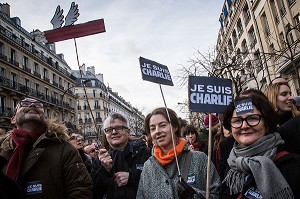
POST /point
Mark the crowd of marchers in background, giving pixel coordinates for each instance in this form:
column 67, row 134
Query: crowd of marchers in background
column 254, row 154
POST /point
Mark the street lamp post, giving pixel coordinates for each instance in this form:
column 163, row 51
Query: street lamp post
column 63, row 108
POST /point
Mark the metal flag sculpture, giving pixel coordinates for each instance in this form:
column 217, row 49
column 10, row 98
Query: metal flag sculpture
column 69, row 30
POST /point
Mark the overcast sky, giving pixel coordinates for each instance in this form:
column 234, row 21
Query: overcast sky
column 165, row 31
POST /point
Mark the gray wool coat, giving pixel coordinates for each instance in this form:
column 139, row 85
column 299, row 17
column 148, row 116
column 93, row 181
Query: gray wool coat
column 159, row 181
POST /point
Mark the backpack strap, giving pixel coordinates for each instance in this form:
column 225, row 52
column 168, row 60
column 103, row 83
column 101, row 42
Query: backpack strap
column 280, row 154
column 187, row 166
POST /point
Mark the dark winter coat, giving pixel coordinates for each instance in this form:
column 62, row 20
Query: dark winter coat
column 288, row 164
column 290, row 133
column 134, row 158
column 53, row 168
column 8, row 188
column 225, row 147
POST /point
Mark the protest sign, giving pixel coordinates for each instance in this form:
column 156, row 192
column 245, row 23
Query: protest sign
column 155, row 72
column 209, row 94
column 243, row 106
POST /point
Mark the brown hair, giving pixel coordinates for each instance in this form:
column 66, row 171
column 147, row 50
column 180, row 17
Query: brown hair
column 162, row 111
column 260, row 101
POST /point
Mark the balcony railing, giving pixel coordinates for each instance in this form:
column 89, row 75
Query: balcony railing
column 47, row 79
column 6, row 112
column 55, row 84
column 98, row 120
column 27, row 69
column 3, row 57
column 282, row 11
column 13, row 62
column 37, row 74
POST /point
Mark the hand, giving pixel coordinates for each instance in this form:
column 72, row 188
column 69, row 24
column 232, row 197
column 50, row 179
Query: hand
column 121, row 178
column 105, row 159
column 185, row 191
column 191, row 147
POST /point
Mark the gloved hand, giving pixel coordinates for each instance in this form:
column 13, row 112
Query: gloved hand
column 185, row 191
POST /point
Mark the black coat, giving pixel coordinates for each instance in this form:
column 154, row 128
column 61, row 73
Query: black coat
column 131, row 160
column 225, row 148
column 288, row 164
column 8, row 188
column 290, row 133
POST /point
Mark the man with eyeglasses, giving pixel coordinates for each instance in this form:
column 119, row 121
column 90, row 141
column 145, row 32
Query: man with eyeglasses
column 40, row 159
column 122, row 164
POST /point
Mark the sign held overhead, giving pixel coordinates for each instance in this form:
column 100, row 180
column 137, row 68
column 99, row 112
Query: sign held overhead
column 155, row 72
column 209, row 94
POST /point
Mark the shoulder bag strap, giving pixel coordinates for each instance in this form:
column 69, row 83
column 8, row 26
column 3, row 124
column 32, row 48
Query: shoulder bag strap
column 187, row 166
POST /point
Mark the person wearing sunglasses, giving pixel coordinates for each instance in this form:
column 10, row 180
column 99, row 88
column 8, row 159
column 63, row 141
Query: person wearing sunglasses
column 40, row 159
column 121, row 164
column 259, row 166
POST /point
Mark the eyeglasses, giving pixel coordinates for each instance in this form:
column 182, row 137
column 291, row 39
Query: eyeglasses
column 251, row 120
column 78, row 138
column 28, row 103
column 118, row 129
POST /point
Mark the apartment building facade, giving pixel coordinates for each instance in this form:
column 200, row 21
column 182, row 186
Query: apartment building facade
column 261, row 38
column 95, row 102
column 29, row 68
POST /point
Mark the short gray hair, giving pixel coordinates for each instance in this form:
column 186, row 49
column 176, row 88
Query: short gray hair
column 113, row 117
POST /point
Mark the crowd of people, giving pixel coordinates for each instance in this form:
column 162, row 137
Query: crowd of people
column 254, row 154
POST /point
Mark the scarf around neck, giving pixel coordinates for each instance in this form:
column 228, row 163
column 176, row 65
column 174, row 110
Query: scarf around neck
column 170, row 156
column 120, row 158
column 23, row 141
column 257, row 159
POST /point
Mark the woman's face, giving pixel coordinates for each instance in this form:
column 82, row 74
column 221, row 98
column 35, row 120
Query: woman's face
column 284, row 99
column 160, row 130
column 191, row 137
column 246, row 134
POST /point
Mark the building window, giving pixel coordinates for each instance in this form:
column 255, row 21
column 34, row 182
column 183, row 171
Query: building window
column 246, row 14
column 281, row 7
column 234, row 38
column 290, row 37
column 46, row 73
column 37, row 88
column 266, row 26
column 12, row 55
column 297, row 19
column 27, row 84
column 272, row 50
column 1, row 48
column 291, row 2
column 25, row 62
column 36, row 67
column 2, row 72
column 240, row 27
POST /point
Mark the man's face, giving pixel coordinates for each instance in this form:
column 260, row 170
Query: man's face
column 117, row 134
column 28, row 111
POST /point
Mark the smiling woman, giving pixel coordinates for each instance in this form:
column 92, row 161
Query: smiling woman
column 255, row 168
column 161, row 176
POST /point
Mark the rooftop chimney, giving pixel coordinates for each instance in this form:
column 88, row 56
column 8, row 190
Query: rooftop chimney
column 6, row 9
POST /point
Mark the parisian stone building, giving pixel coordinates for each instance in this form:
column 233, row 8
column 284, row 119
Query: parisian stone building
column 95, row 102
column 77, row 97
column 261, row 39
column 30, row 68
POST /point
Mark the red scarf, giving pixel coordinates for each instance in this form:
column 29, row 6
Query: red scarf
column 166, row 159
column 23, row 141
